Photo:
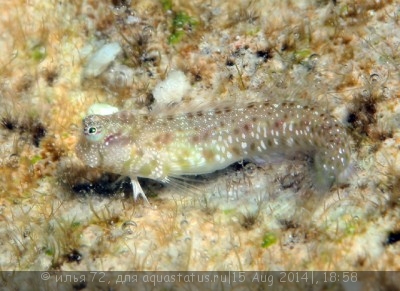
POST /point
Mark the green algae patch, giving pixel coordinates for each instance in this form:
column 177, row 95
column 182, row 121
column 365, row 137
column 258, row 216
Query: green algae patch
column 268, row 240
column 300, row 55
column 38, row 53
column 35, row 159
column 180, row 24
column 166, row 4
column 229, row 211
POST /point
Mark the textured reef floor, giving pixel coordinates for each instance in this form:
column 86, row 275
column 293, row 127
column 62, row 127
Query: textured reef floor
column 61, row 57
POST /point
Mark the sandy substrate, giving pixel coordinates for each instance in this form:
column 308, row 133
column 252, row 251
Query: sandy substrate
column 57, row 214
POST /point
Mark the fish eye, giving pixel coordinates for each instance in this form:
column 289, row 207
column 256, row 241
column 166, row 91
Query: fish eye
column 92, row 130
column 94, row 133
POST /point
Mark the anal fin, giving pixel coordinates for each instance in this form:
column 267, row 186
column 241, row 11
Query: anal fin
column 137, row 190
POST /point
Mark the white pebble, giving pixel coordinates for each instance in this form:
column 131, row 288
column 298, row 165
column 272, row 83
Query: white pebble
column 101, row 59
column 172, row 89
column 101, row 109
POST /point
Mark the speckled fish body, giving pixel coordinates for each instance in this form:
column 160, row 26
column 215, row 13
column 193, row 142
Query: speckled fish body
column 158, row 146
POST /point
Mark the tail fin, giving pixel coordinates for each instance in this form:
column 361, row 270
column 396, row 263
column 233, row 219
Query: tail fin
column 327, row 171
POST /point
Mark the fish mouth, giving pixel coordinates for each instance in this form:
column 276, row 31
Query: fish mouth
column 111, row 139
column 116, row 139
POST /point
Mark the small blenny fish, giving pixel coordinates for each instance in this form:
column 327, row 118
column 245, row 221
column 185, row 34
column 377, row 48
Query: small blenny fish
column 159, row 146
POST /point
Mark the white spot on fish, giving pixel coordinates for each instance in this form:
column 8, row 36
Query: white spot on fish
column 263, row 145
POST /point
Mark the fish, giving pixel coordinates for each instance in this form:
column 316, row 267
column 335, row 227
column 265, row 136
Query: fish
column 159, row 145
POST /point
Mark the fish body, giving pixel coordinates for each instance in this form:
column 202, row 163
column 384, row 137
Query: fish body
column 158, row 146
